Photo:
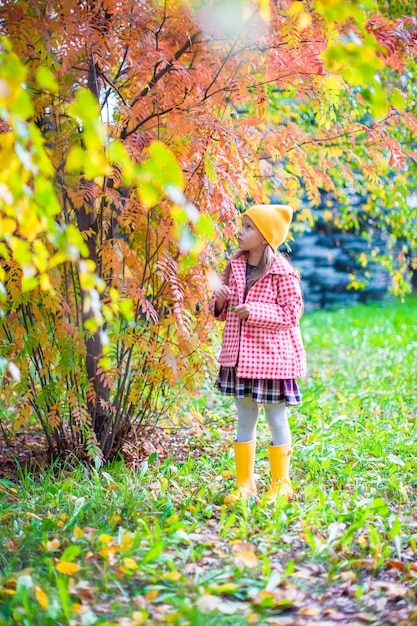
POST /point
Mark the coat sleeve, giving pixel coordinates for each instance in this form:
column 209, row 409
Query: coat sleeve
column 287, row 310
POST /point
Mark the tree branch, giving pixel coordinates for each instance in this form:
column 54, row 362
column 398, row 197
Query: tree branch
column 191, row 40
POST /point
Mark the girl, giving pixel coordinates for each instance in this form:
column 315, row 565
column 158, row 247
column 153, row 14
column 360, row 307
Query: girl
column 262, row 351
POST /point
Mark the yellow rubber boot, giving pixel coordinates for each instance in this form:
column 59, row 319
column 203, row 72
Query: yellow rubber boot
column 279, row 459
column 245, row 463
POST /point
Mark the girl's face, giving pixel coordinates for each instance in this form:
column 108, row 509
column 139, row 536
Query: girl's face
column 249, row 238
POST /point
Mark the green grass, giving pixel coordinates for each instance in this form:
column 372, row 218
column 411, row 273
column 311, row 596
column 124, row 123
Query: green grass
column 158, row 546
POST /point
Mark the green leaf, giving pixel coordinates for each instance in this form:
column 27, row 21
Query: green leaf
column 71, row 553
column 398, row 100
column 154, row 552
column 162, row 167
column 46, row 79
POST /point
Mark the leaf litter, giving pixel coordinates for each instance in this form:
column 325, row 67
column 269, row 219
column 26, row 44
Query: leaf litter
column 164, row 549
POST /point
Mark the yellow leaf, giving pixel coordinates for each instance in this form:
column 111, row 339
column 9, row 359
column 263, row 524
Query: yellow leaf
column 245, row 558
column 227, row 474
column 127, row 542
column 150, row 596
column 51, row 545
column 304, row 20
column 33, row 516
column 105, row 539
column 130, row 564
column 115, row 519
column 41, row 597
column 67, row 568
column 7, row 226
column 163, row 480
column 77, row 608
column 78, row 533
column 108, row 551
column 172, row 576
column 265, row 10
column 173, row 617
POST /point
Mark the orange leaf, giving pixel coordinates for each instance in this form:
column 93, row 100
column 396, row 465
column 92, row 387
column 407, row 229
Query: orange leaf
column 395, row 565
column 67, row 568
column 41, row 597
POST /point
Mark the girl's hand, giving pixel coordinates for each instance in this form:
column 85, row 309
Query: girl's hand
column 242, row 311
column 221, row 294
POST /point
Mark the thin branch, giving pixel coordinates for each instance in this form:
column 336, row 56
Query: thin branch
column 217, row 74
column 111, row 83
column 191, row 40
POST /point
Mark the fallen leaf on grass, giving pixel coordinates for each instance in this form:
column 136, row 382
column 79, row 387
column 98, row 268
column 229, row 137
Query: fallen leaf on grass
column 245, row 555
column 366, row 617
column 12, row 545
column 392, row 589
column 229, row 608
column 78, row 533
column 225, row 588
column 307, row 573
column 309, row 611
column 138, row 618
column 283, row 621
column 174, row 576
column 337, row 616
column 67, row 568
column 246, row 559
column 365, row 564
column 41, row 597
column 127, row 542
column 52, row 545
column 208, row 603
column 395, row 565
column 151, row 595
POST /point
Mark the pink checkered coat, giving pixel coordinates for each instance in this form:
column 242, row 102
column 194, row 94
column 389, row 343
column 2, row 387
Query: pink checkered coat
column 268, row 344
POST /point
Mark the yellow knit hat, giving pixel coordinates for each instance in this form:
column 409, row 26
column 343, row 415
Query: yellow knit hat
column 272, row 220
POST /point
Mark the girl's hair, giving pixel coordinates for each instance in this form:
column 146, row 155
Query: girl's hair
column 264, row 266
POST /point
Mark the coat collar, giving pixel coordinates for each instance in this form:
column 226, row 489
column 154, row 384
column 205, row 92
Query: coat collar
column 279, row 266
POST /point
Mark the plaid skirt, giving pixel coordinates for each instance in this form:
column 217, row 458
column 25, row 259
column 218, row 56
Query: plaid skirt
column 261, row 390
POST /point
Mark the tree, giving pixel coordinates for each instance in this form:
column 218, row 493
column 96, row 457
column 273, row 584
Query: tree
column 230, row 88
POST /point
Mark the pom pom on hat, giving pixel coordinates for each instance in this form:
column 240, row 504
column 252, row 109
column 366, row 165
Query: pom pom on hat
column 272, row 220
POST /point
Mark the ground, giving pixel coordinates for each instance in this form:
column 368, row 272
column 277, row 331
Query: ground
column 149, row 540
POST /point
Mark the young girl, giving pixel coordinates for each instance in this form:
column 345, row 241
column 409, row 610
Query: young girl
column 262, row 351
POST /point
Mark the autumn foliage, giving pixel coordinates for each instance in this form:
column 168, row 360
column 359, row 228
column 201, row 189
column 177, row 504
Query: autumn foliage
column 133, row 133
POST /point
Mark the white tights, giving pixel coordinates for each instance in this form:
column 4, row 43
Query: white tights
column 247, row 418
